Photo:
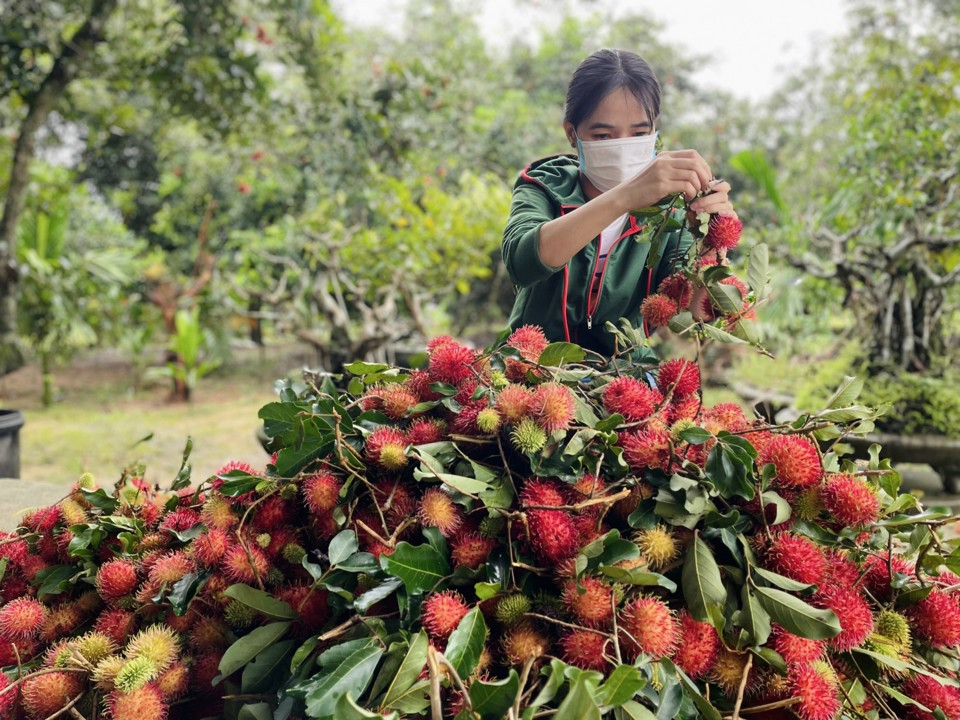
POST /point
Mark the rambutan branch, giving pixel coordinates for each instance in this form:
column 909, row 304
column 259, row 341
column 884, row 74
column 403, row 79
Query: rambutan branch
column 66, row 708
column 600, row 500
column 742, row 688
column 436, row 707
column 524, row 676
column 36, row 673
column 565, row 624
column 766, row 707
column 442, row 660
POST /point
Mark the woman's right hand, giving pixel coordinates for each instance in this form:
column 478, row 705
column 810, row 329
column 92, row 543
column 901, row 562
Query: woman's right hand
column 672, row 171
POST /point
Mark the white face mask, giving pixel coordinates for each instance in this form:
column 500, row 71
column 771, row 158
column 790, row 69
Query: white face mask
column 607, row 163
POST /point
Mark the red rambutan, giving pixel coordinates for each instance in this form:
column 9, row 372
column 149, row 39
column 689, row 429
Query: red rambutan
column 174, row 682
column 930, row 693
column 465, row 421
column 116, row 624
column 797, row 557
column 553, row 535
column 321, row 492
column 681, row 375
column 543, row 492
column 585, row 649
column 880, row 572
column 697, row 646
column 470, row 549
column 513, row 402
column 274, row 512
column 450, row 362
column 396, row 399
column 144, row 702
column 796, row 650
column 936, row 618
column 116, row 580
column 209, row 548
column 723, row 233
column 419, row 384
column 853, row 612
column 552, row 405
column 22, row 619
column 245, row 565
column 589, row 486
column 657, row 310
column 589, row 600
column 46, row 695
column 179, row 520
column 310, row 604
column 643, row 449
column 632, row 398
column 170, row 568
column 728, row 416
column 441, row 612
column 522, row 642
column 206, row 667
column 850, row 500
column 385, row 448
column 529, row 340
column 427, row 430
column 795, row 458
column 648, row 626
column 8, row 698
column 678, row 288
column 819, row 699
column 438, row 510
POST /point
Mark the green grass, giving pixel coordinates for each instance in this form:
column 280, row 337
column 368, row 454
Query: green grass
column 100, row 426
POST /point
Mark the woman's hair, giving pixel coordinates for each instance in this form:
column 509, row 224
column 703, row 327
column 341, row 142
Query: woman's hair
column 605, row 71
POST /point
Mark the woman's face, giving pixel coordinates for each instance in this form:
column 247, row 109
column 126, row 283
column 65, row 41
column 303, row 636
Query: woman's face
column 619, row 115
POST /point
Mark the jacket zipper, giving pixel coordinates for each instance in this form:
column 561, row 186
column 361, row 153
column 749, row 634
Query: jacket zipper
column 631, row 229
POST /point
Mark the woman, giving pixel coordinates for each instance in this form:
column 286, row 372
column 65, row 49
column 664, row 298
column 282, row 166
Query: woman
column 568, row 244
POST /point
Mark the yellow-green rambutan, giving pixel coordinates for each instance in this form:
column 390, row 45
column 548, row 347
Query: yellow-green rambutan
column 658, row 545
column 511, row 608
column 157, row 643
column 94, row 646
column 522, row 642
column 527, row 436
column 134, row 674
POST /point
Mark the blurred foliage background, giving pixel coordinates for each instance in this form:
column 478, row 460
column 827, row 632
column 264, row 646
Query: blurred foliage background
column 183, row 176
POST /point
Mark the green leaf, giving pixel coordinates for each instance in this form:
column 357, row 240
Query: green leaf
column 409, row 670
column 347, row 709
column 579, row 703
column 258, row 675
column 491, row 700
column 753, row 618
column 466, row 642
column 632, row 710
column 303, row 652
column 353, row 674
column 902, row 666
column 261, row 601
column 715, row 333
column 342, row 546
column 560, row 353
column 621, row 686
column 255, row 711
column 414, row 701
column 374, row 595
column 636, row 576
column 796, row 616
column 55, row 579
column 845, row 395
column 784, row 511
column 183, row 591
column 696, row 435
column 701, row 581
column 781, row 581
column 466, row 485
column 420, row 567
column 364, row 368
column 99, row 499
column 251, row 645
column 555, row 679
column 708, row 711
column 758, row 269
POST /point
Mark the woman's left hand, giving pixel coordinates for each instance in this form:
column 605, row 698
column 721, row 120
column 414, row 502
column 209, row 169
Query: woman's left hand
column 716, row 202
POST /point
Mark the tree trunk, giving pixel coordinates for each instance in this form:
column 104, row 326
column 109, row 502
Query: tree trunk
column 64, row 70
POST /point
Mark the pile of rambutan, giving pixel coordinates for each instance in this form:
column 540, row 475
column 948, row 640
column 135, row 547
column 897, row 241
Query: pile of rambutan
column 500, row 533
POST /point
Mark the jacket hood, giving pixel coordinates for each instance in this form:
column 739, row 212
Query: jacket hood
column 559, row 176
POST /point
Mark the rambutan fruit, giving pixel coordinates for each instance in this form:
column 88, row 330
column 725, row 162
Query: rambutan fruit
column 396, row 400
column 892, row 626
column 321, row 492
column 419, row 384
column 471, row 550
column 678, row 288
column 48, row 694
column 646, row 449
column 180, row 520
column 585, row 649
column 134, row 674
column 729, row 416
column 543, row 492
column 273, row 512
column 209, row 547
column 144, row 702
column 728, row 669
column 932, row 694
column 850, row 500
column 795, row 459
column 818, row 691
column 397, row 499
column 936, row 618
column 658, row 545
column 450, row 362
column 681, row 375
column 72, row 512
column 552, row 405
column 841, row 570
column 174, row 682
column 170, row 568
column 441, row 612
column 632, row 398
column 310, row 604
column 105, row 672
column 657, row 310
column 697, row 646
column 158, row 643
column 797, row 557
column 796, row 650
column 218, row 514
column 9, row 698
column 853, row 612
column 206, row 667
column 209, row 633
column 589, row 485
column 42, row 520
column 488, row 421
column 32, row 565
column 116, row 580
column 22, row 619
column 426, row 430
column 14, row 550
column 553, row 535
column 116, row 624
column 513, row 402
column 93, row 647
column 465, row 421
column 511, row 608
column 528, row 437
column 239, row 616
column 589, row 600
column 385, row 448
column 723, row 232
column 61, row 621
column 522, row 642
column 647, row 626
column 529, row 340
column 438, row 510
column 245, row 565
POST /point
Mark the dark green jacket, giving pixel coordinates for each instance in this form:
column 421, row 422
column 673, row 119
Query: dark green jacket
column 557, row 298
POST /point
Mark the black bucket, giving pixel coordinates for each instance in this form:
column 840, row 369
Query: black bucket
column 10, row 423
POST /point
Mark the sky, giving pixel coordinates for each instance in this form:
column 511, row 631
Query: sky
column 753, row 44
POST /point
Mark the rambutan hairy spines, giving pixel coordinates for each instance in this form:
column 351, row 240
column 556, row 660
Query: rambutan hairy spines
column 529, row 340
column 682, row 376
column 850, row 500
column 678, row 288
column 648, row 626
column 588, row 599
column 441, row 612
column 795, row 459
column 245, row 564
column 470, row 549
column 437, row 509
column 46, row 695
column 796, row 650
column 658, row 545
column 657, row 310
column 697, row 645
column 22, row 619
column 553, row 406
column 543, row 492
column 449, row 361
column 931, row 693
column 723, row 232
column 396, row 400
column 144, row 702
column 553, row 535
column 321, row 492
column 585, row 649
column 209, row 548
column 936, row 619
column 853, row 612
column 385, row 448
column 818, row 692
column 528, row 437
column 523, row 642
column 797, row 557
column 116, row 579
column 513, row 402
column 646, row 449
column 632, row 398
